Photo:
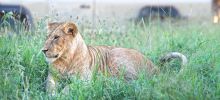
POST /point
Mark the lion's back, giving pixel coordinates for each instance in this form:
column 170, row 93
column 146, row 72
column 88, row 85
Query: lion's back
column 128, row 60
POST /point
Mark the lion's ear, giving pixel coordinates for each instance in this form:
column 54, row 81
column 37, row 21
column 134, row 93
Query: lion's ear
column 70, row 28
column 53, row 25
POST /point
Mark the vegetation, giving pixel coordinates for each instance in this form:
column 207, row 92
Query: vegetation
column 23, row 69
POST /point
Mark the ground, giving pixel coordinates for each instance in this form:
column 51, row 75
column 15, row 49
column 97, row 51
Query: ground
column 23, row 68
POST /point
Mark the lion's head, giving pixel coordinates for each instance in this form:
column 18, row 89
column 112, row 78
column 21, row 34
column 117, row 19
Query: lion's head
column 59, row 40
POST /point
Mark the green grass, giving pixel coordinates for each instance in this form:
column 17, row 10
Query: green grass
column 23, row 69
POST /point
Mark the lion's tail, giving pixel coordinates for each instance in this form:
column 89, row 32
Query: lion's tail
column 173, row 55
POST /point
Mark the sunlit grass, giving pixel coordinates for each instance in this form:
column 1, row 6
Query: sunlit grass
column 23, row 69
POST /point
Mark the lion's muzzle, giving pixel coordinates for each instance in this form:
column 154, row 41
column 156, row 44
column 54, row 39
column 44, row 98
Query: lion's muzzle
column 49, row 54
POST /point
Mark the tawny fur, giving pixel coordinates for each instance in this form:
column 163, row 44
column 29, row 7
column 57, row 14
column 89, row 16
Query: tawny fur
column 67, row 52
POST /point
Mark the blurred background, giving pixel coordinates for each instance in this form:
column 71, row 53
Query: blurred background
column 117, row 10
column 90, row 13
column 109, row 8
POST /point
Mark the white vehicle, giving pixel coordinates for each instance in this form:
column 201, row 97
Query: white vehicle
column 109, row 9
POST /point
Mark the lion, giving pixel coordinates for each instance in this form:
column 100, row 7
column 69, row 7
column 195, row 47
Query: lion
column 68, row 55
column 216, row 10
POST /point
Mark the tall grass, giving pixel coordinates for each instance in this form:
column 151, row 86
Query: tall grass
column 23, row 69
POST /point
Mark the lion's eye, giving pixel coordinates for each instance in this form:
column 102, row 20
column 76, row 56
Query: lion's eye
column 56, row 37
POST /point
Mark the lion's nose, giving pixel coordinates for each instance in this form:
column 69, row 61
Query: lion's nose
column 44, row 50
